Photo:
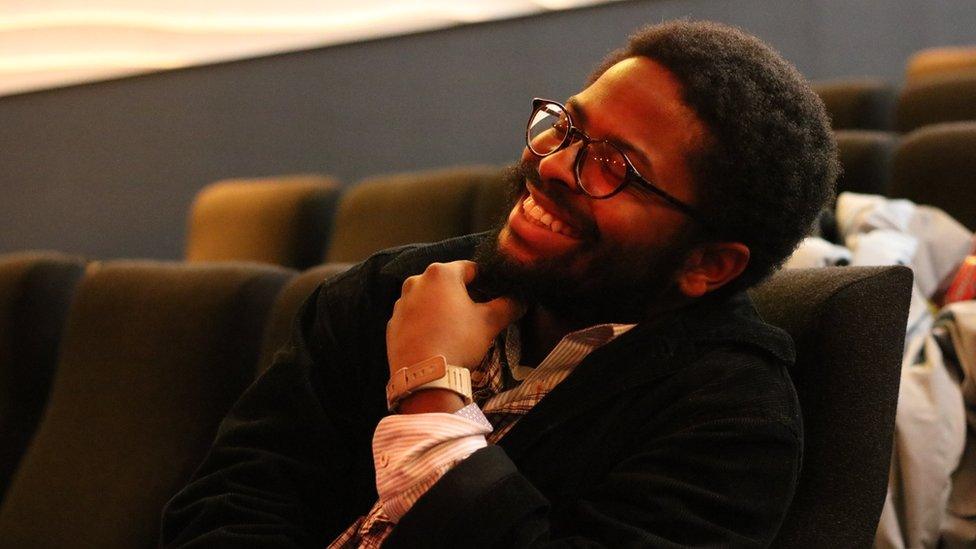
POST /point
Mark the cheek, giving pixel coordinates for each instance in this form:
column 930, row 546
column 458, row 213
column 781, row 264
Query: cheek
column 633, row 225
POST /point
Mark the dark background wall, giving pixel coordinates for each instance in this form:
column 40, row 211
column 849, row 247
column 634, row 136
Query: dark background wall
column 109, row 169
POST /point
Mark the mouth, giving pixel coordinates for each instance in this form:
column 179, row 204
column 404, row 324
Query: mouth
column 539, row 216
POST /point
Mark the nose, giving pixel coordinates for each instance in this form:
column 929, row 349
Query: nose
column 560, row 166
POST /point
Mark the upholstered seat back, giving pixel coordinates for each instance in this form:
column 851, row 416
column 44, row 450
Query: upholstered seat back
column 947, row 98
column 936, row 165
column 857, row 104
column 384, row 212
column 35, row 291
column 848, row 324
column 153, row 357
column 281, row 321
column 281, row 220
column 865, row 159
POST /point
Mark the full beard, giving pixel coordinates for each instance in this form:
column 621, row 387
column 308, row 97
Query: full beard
column 617, row 285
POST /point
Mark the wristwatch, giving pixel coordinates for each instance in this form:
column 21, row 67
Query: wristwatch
column 432, row 373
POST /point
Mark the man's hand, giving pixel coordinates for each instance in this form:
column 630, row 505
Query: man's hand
column 436, row 316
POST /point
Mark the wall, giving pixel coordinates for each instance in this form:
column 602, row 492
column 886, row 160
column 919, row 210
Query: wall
column 109, row 169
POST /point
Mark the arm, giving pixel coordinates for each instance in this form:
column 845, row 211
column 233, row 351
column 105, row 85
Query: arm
column 715, row 483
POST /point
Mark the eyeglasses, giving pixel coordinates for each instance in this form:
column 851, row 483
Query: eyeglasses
column 601, row 168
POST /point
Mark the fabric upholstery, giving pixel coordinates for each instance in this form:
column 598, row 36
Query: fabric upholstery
column 153, row 356
column 936, row 165
column 280, row 220
column 389, row 211
column 865, row 157
column 491, row 203
column 286, row 306
column 947, row 98
column 935, row 62
column 35, row 291
column 863, row 104
column 848, row 324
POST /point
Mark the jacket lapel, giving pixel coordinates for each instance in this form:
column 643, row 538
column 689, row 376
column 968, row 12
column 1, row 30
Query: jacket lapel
column 643, row 355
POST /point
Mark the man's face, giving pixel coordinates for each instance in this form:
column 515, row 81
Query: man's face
column 570, row 251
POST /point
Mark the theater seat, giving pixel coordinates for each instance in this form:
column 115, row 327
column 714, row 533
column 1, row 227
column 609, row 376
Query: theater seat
column 857, row 104
column 389, row 211
column 937, row 62
column 35, row 291
column 278, row 220
column 491, row 203
column 153, row 357
column 281, row 321
column 948, row 98
column 848, row 324
column 865, row 159
column 936, row 165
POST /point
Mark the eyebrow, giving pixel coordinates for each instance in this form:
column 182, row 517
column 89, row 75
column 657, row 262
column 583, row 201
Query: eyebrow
column 577, row 111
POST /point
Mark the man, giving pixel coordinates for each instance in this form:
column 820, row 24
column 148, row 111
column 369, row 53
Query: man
column 625, row 393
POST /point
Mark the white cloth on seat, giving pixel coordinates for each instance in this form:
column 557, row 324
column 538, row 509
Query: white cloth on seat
column 932, row 483
column 942, row 242
column 814, row 251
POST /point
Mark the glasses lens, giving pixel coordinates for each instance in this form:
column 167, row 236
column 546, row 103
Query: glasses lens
column 603, row 169
column 547, row 129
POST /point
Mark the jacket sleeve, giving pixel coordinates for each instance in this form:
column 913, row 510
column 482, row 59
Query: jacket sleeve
column 723, row 478
column 291, row 463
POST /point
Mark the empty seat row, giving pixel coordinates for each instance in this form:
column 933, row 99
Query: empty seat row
column 868, row 104
column 933, row 165
column 305, row 221
column 940, row 86
column 151, row 356
column 301, row 221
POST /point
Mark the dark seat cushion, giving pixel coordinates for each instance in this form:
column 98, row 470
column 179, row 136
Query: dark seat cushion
column 848, row 324
column 153, row 357
column 857, row 104
column 389, row 211
column 936, row 165
column 278, row 220
column 35, row 291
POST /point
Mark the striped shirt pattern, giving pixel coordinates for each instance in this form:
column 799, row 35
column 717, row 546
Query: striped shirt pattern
column 412, row 452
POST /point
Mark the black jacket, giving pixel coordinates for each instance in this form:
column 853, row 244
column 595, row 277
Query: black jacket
column 682, row 433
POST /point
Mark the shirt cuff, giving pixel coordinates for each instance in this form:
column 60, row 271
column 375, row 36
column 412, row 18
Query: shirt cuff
column 412, row 451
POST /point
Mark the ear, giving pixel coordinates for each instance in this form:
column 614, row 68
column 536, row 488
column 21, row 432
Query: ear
column 710, row 266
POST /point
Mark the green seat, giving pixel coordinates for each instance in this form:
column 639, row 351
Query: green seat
column 35, row 291
column 278, row 220
column 848, row 325
column 153, row 356
column 390, row 211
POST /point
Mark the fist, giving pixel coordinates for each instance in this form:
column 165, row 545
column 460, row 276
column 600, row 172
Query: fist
column 436, row 316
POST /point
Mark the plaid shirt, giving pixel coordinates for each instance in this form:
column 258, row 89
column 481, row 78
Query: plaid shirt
column 503, row 392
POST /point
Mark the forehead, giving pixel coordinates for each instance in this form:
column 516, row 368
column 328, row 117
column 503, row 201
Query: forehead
column 639, row 101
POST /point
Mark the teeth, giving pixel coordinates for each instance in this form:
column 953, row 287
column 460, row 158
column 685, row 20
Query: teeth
column 545, row 219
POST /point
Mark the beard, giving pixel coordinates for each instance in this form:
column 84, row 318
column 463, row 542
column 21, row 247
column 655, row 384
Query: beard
column 616, row 284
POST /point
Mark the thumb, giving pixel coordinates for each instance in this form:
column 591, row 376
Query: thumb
column 468, row 270
column 503, row 311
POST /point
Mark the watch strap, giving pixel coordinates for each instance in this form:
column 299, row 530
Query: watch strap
column 431, row 373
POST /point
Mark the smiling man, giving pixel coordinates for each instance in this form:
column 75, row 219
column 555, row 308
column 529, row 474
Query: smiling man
column 590, row 373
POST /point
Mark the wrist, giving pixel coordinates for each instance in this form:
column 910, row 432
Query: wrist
column 430, row 401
